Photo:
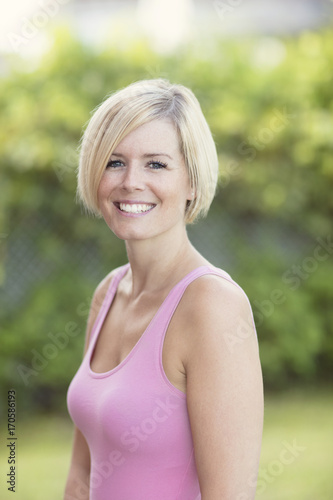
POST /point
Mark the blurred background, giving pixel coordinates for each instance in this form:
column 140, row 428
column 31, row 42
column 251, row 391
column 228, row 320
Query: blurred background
column 263, row 73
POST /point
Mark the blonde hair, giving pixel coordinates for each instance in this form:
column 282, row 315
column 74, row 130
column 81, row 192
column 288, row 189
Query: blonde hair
column 135, row 105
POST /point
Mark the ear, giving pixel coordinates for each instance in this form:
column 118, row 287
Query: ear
column 191, row 194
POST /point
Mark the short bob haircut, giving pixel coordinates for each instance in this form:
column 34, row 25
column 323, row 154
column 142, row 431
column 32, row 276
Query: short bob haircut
column 139, row 103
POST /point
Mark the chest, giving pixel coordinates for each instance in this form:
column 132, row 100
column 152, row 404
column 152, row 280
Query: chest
column 121, row 330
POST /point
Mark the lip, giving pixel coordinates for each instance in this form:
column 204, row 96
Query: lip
column 131, row 202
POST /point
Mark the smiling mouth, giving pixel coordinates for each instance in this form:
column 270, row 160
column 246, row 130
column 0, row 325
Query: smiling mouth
column 134, row 208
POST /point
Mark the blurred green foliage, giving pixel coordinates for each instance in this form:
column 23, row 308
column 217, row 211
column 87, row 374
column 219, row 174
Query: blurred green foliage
column 269, row 103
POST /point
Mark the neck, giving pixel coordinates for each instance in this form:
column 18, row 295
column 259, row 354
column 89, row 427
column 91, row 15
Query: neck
column 157, row 261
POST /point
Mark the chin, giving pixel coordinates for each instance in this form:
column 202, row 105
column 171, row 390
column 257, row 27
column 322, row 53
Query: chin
column 128, row 235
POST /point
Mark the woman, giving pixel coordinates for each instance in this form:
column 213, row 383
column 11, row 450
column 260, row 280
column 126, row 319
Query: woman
column 168, row 401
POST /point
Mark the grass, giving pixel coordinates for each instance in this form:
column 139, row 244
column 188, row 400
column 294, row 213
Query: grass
column 304, row 419
column 296, row 461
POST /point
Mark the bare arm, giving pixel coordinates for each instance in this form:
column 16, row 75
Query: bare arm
column 77, row 485
column 224, row 390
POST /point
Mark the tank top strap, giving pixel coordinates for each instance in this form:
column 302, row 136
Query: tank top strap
column 153, row 339
column 110, row 293
column 167, row 309
column 173, row 298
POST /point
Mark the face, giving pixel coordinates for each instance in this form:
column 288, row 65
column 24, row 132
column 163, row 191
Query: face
column 144, row 188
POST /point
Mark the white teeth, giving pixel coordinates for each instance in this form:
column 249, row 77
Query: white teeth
column 135, row 208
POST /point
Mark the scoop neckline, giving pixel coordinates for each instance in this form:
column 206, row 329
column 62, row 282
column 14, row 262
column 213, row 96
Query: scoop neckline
column 106, row 306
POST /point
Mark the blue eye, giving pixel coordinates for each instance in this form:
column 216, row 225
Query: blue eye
column 156, row 165
column 114, row 163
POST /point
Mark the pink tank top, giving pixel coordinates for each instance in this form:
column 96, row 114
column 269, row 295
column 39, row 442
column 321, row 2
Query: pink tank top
column 134, row 420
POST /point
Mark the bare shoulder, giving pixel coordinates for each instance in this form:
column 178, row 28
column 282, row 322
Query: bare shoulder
column 102, row 288
column 211, row 296
column 215, row 313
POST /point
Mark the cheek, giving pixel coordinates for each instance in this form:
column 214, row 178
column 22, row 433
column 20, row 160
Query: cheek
column 103, row 188
column 176, row 197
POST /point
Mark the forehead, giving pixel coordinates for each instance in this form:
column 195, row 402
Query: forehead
column 156, row 136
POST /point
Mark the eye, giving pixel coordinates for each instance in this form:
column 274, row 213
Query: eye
column 156, row 165
column 114, row 163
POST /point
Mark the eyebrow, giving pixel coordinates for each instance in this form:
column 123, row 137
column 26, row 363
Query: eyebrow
column 147, row 155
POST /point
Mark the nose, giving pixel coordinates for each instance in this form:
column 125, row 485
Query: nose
column 132, row 178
